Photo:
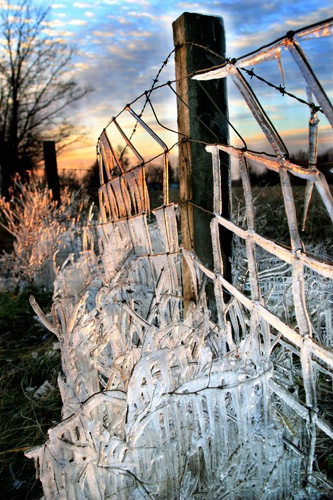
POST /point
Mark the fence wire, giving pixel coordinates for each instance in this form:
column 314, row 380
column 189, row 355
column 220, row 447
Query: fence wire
column 311, row 353
column 298, row 333
column 164, row 401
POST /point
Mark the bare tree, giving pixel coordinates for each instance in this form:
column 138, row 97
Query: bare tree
column 34, row 90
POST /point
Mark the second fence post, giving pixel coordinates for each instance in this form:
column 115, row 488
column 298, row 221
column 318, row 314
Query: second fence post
column 51, row 169
column 202, row 119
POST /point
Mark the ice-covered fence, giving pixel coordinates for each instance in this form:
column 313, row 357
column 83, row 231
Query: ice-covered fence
column 160, row 401
column 311, row 355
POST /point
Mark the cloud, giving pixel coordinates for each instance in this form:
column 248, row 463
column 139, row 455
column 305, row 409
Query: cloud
column 81, row 5
column 139, row 2
column 81, row 65
column 66, row 33
column 77, row 22
column 89, row 14
column 185, row 5
column 123, row 20
column 103, row 33
column 303, row 131
column 8, row 6
column 140, row 34
column 141, row 14
column 53, row 24
column 57, row 33
column 122, row 52
column 303, row 20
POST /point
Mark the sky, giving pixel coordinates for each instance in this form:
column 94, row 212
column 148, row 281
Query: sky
column 121, row 44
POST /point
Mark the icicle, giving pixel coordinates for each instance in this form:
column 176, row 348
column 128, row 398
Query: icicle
column 171, row 227
column 133, row 190
column 120, row 208
column 310, row 78
column 307, row 199
column 289, row 203
column 308, row 373
column 313, row 152
column 279, row 61
column 189, row 485
column 112, row 196
column 301, row 312
column 216, row 244
column 42, row 318
column 109, row 158
column 260, row 57
column 258, row 112
column 191, row 266
column 325, row 193
column 324, row 29
column 104, row 204
column 140, row 234
column 217, row 195
column 165, row 179
column 161, row 221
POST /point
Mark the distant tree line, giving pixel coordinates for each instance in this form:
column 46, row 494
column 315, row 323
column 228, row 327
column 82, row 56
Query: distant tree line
column 300, row 157
column 153, row 172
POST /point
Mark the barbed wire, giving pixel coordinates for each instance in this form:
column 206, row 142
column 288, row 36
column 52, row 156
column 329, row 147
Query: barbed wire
column 154, row 87
column 147, row 94
column 282, row 90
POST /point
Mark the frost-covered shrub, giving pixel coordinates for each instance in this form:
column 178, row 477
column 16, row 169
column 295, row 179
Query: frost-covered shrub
column 44, row 234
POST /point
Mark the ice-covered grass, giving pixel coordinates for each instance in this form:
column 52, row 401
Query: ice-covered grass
column 271, row 217
column 43, row 233
column 43, row 236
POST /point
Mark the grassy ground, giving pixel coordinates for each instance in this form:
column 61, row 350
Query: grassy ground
column 27, row 361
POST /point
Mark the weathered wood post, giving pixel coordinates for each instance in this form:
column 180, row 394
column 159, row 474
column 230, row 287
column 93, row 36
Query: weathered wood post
column 202, row 111
column 51, row 169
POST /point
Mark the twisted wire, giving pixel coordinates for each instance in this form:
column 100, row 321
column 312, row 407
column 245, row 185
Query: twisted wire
column 282, row 90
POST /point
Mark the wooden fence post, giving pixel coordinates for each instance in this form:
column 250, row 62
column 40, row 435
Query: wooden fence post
column 51, row 169
column 202, row 111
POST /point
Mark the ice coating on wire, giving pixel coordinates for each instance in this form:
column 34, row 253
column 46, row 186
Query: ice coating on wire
column 163, row 402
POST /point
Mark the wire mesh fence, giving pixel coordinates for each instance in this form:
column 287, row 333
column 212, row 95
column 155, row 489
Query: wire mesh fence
column 167, row 400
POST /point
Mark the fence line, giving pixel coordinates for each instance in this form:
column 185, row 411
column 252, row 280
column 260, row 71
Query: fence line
column 216, row 399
